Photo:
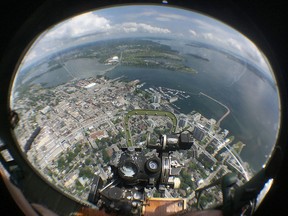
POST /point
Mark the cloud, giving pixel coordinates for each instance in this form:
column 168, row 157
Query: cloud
column 94, row 26
column 234, row 43
column 154, row 14
column 209, row 36
column 76, row 28
column 130, row 27
column 79, row 25
column 170, row 17
column 192, row 32
column 253, row 53
column 206, row 26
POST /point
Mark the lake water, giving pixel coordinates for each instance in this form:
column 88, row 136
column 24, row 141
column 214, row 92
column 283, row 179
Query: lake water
column 253, row 101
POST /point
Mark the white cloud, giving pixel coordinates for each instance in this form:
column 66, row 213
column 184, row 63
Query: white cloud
column 213, row 38
column 130, row 27
column 234, row 43
column 79, row 25
column 206, row 26
column 59, row 36
column 171, row 17
column 192, row 32
column 73, row 30
column 209, row 36
column 253, row 53
column 154, row 14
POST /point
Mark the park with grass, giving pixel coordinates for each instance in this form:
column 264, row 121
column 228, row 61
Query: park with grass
column 145, row 112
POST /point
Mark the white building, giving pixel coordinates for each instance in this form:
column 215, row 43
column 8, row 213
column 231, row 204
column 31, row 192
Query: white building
column 113, row 60
column 155, row 105
column 157, row 98
column 90, row 85
column 45, row 110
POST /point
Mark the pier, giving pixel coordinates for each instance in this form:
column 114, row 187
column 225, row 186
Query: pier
column 225, row 115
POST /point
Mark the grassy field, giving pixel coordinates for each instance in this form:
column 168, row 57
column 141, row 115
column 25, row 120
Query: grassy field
column 148, row 113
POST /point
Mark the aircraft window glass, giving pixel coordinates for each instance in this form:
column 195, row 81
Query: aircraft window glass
column 120, row 77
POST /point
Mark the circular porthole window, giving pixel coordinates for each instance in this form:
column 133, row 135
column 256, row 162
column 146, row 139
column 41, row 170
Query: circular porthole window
column 137, row 82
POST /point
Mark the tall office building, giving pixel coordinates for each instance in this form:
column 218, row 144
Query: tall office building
column 198, row 133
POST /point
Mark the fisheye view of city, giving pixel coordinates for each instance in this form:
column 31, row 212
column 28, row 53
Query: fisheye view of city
column 81, row 105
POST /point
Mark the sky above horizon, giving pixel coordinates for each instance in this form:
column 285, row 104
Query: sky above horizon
column 144, row 20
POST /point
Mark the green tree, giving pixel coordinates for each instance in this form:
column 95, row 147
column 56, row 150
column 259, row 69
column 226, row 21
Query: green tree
column 61, row 163
column 77, row 149
column 70, row 156
column 85, row 172
column 192, row 166
column 88, row 161
column 105, row 155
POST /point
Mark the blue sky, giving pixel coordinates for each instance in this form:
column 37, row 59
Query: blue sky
column 129, row 21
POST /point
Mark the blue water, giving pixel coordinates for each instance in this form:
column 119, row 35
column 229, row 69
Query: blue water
column 253, row 101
